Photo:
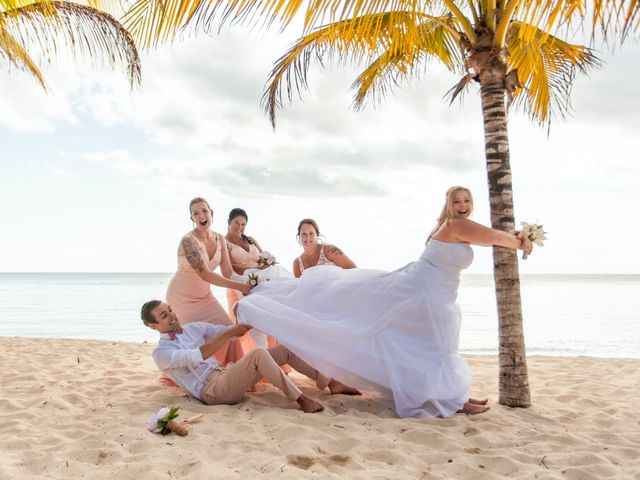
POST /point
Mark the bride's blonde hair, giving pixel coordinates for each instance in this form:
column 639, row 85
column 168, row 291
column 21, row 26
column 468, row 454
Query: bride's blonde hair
column 445, row 215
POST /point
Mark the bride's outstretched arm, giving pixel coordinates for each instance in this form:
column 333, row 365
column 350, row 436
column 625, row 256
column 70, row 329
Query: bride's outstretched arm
column 469, row 231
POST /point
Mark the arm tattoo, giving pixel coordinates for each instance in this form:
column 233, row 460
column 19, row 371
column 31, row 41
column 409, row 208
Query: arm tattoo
column 334, row 250
column 192, row 253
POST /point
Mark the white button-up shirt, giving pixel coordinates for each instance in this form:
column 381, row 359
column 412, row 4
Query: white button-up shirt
column 181, row 359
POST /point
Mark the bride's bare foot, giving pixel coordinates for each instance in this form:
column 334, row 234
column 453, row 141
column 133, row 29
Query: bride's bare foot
column 338, row 388
column 473, row 409
column 476, row 401
column 309, row 405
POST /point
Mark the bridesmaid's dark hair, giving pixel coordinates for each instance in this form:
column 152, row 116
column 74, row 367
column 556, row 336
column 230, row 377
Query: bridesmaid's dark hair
column 309, row 221
column 239, row 212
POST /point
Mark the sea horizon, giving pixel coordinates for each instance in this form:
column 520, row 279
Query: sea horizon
column 564, row 314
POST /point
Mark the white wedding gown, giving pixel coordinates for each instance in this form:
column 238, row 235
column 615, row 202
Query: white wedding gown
column 393, row 334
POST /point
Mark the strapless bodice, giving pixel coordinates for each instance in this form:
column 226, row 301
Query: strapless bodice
column 453, row 257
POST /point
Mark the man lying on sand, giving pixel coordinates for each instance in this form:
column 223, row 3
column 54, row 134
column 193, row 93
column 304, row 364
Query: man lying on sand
column 186, row 355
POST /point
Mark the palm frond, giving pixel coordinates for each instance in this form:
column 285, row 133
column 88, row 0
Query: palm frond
column 116, row 8
column 546, row 69
column 153, row 22
column 385, row 39
column 396, row 65
column 90, row 34
column 610, row 18
column 6, row 5
column 383, row 73
column 11, row 49
column 460, row 87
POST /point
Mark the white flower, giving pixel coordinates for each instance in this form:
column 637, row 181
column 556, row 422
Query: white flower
column 535, row 233
column 252, row 279
column 266, row 258
column 152, row 424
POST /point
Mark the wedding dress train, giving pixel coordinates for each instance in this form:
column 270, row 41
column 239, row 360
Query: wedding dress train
column 392, row 334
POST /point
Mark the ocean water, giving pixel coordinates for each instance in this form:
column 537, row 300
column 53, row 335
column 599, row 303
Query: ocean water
column 565, row 315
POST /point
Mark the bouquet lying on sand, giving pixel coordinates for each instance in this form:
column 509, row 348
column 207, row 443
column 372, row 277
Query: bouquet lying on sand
column 164, row 422
column 535, row 233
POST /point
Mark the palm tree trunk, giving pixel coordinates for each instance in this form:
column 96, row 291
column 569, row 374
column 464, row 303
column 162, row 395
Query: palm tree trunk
column 513, row 378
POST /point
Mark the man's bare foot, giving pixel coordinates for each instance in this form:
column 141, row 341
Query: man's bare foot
column 476, row 401
column 338, row 388
column 309, row 405
column 473, row 409
column 165, row 381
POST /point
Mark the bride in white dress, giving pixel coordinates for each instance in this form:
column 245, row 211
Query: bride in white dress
column 394, row 334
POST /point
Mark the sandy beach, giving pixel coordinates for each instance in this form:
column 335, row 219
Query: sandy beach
column 78, row 409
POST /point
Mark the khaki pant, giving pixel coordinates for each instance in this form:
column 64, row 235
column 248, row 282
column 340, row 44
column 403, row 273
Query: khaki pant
column 227, row 385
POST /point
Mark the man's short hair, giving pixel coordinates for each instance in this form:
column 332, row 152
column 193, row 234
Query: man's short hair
column 146, row 312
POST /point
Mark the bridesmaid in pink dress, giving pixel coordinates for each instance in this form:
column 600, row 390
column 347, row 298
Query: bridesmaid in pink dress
column 316, row 253
column 244, row 253
column 200, row 252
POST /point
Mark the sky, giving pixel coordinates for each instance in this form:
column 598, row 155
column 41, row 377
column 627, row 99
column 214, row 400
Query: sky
column 96, row 178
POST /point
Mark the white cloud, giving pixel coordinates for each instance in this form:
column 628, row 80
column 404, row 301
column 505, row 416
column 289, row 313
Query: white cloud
column 58, row 172
column 26, row 108
column 375, row 179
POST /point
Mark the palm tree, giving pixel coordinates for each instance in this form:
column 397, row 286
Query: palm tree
column 40, row 27
column 509, row 59
column 510, row 48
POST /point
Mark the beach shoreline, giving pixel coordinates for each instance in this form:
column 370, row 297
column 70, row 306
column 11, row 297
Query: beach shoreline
column 78, row 408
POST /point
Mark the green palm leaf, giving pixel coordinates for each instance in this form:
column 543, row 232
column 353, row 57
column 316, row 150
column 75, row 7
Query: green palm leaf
column 13, row 51
column 394, row 43
column 546, row 68
column 152, row 22
column 43, row 27
column 435, row 42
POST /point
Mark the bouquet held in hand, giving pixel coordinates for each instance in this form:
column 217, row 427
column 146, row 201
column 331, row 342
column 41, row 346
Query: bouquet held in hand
column 535, row 233
column 252, row 279
column 266, row 259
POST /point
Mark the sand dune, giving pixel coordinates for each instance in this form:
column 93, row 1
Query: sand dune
column 78, row 409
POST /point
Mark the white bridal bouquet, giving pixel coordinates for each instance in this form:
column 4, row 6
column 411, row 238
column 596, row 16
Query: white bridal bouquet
column 535, row 233
column 267, row 259
column 164, row 422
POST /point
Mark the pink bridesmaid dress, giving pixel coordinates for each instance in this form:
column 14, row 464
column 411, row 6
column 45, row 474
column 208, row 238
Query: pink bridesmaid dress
column 240, row 256
column 322, row 260
column 192, row 300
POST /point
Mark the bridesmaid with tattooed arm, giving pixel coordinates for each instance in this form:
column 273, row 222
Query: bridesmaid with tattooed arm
column 316, row 253
column 200, row 252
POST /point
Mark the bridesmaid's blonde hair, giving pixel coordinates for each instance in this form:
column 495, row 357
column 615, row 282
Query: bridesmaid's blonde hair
column 198, row 200
column 445, row 215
